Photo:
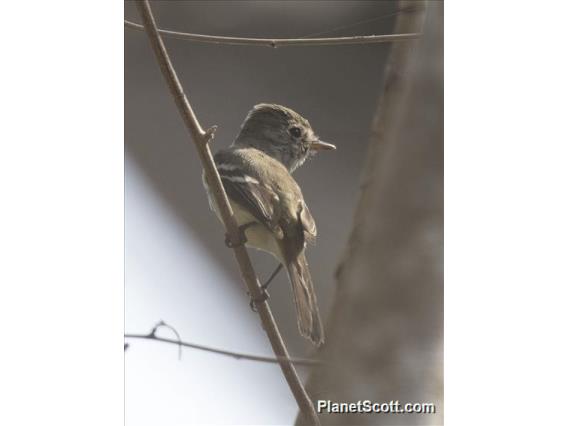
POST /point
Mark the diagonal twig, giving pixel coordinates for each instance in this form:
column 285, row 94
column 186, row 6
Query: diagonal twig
column 279, row 42
column 201, row 140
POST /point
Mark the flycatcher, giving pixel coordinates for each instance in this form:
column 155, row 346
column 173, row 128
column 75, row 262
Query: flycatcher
column 268, row 203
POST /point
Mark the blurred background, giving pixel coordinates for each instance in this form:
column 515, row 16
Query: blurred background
column 177, row 266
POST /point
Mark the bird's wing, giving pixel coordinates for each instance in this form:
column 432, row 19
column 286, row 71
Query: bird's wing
column 247, row 191
column 308, row 223
column 254, row 197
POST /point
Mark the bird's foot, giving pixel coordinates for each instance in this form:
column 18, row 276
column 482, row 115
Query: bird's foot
column 265, row 296
column 242, row 239
column 254, row 302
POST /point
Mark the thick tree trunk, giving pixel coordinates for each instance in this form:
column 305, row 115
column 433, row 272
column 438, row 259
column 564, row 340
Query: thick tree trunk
column 385, row 331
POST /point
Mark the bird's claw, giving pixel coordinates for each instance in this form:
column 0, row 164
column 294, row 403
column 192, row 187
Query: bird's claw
column 263, row 298
column 242, row 238
column 240, row 242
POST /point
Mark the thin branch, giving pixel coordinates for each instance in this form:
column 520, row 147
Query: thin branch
column 236, row 355
column 169, row 327
column 399, row 11
column 201, row 140
column 279, row 42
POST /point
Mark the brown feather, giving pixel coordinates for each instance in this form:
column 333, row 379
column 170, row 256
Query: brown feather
column 307, row 312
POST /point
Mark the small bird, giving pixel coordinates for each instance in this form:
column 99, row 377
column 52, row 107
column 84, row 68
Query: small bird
column 268, row 203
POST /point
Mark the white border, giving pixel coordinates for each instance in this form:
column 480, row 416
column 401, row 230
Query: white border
column 61, row 177
column 506, row 213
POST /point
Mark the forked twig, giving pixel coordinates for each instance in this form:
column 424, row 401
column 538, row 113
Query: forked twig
column 152, row 334
column 201, row 139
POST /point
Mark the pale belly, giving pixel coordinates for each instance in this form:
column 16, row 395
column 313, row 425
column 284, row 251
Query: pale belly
column 257, row 235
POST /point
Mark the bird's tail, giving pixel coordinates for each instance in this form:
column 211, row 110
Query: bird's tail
column 309, row 321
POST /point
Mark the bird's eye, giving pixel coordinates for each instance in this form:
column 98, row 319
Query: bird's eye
column 296, row 132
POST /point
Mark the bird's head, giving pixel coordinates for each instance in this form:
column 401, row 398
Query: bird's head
column 281, row 133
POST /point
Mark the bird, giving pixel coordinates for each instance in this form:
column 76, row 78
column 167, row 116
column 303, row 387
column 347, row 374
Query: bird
column 268, row 205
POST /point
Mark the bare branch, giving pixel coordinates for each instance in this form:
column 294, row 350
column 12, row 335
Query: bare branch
column 236, row 355
column 201, row 139
column 169, row 327
column 279, row 42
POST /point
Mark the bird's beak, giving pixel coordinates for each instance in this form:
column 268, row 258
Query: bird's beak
column 322, row 146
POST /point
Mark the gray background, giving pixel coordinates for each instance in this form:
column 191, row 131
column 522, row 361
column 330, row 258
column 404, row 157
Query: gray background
column 177, row 266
